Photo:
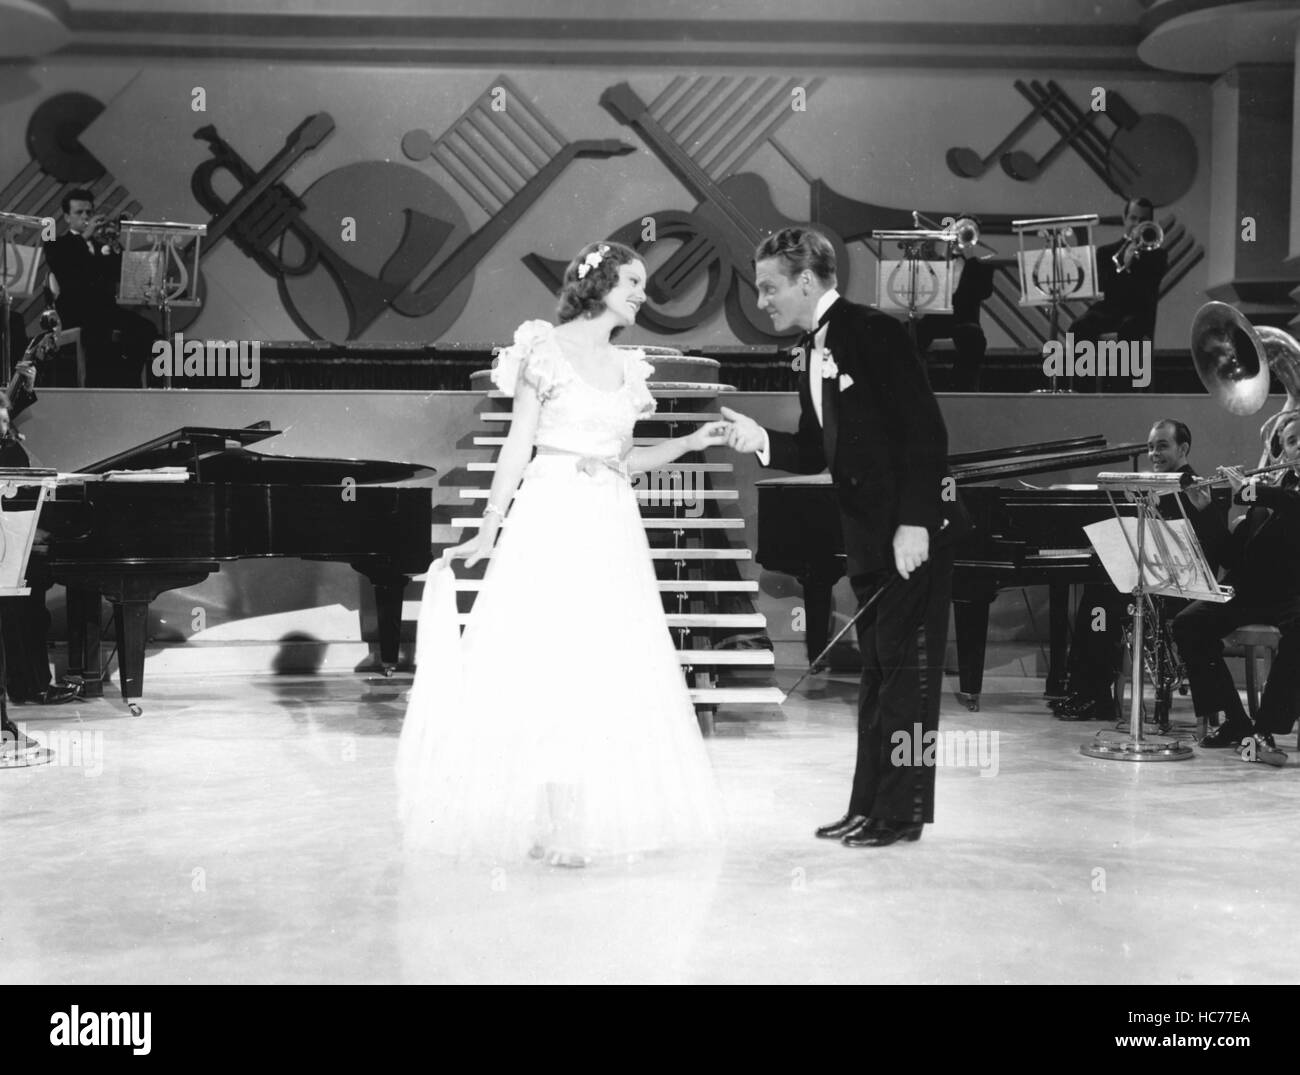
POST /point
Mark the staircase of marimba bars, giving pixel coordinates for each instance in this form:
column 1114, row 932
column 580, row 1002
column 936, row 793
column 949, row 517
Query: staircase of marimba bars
column 680, row 505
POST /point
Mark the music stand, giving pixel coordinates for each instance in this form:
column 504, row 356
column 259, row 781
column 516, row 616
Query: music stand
column 915, row 283
column 1146, row 554
column 1060, row 270
column 160, row 267
column 19, row 265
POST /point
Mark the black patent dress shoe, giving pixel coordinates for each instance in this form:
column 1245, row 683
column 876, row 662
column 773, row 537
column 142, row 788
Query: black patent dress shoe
column 836, row 829
column 1088, row 709
column 1227, row 735
column 881, row 833
column 54, row 694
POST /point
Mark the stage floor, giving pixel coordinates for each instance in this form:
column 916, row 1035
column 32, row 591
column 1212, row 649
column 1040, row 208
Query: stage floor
column 242, row 830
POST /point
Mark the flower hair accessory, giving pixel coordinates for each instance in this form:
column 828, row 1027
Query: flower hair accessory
column 592, row 260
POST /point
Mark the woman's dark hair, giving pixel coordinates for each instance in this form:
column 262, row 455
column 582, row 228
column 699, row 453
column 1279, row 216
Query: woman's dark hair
column 584, row 296
column 799, row 249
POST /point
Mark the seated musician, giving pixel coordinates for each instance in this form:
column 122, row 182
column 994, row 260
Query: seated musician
column 25, row 620
column 1263, row 561
column 972, row 284
column 1096, row 648
column 84, row 271
column 1128, row 277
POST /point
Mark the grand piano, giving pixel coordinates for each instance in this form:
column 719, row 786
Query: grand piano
column 131, row 531
column 1022, row 536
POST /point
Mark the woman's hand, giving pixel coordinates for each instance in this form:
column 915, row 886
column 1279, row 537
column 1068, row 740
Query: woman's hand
column 477, row 547
column 709, row 435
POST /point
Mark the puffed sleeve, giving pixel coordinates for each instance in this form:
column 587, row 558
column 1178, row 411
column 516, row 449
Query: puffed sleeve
column 532, row 356
column 636, row 370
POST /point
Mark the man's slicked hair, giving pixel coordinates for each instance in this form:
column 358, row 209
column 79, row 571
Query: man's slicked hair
column 799, row 249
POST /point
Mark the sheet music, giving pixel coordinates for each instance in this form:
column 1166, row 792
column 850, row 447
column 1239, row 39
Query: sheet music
column 1175, row 565
column 138, row 284
column 156, row 474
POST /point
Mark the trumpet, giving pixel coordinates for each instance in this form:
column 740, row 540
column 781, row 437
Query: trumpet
column 1145, row 237
column 106, row 233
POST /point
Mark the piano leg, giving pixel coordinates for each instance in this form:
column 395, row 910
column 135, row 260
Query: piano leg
column 389, row 590
column 131, row 620
column 817, row 609
column 971, row 617
column 131, row 589
column 1058, row 653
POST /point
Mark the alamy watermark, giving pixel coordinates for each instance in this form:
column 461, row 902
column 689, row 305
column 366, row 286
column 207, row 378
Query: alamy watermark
column 180, row 357
column 949, row 749
column 1105, row 358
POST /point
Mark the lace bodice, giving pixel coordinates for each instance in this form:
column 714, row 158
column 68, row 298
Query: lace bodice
column 576, row 416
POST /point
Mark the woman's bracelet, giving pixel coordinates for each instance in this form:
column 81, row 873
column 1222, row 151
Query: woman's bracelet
column 492, row 509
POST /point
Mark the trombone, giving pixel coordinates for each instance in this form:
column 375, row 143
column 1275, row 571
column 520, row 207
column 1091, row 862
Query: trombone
column 1145, row 237
column 960, row 233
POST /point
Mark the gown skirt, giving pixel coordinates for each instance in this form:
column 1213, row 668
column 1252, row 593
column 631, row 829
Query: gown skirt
column 559, row 722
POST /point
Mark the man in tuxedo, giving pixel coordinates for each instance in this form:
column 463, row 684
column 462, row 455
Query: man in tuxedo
column 962, row 326
column 84, row 275
column 1263, row 559
column 1096, row 648
column 1130, row 289
column 867, row 414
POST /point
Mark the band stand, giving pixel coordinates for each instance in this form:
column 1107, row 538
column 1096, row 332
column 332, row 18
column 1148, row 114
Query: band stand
column 160, row 268
column 19, row 265
column 1057, row 272
column 914, row 283
column 1146, row 554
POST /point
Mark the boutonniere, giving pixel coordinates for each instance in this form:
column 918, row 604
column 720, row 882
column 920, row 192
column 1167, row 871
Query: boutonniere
column 829, row 368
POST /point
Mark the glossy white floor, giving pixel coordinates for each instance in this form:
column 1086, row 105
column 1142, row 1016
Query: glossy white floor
column 241, row 831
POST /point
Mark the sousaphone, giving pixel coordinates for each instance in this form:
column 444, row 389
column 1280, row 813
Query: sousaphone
column 1230, row 358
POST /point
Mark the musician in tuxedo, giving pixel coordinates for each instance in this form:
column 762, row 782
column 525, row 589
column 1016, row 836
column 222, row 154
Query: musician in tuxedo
column 867, row 414
column 1263, row 561
column 84, row 273
column 974, row 284
column 1096, row 648
column 1129, row 280
column 25, row 621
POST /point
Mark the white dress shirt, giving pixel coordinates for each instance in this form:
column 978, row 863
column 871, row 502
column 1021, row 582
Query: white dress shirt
column 814, row 369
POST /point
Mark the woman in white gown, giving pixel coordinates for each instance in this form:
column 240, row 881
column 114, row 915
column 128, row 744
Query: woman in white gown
column 559, row 725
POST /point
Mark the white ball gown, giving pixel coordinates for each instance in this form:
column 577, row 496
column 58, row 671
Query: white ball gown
column 558, row 725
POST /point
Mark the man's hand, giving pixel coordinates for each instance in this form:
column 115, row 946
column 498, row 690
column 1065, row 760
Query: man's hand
column 1235, row 478
column 911, row 548
column 28, row 372
column 1199, row 499
column 745, row 435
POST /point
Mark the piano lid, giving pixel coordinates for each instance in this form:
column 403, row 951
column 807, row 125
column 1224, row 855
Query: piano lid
column 219, row 454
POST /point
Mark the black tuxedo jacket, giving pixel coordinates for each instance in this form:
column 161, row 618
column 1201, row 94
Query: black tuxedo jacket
column 87, row 281
column 1132, row 294
column 884, row 440
column 975, row 285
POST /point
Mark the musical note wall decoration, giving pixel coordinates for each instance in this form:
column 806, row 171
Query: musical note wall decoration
column 1150, row 154
column 504, row 159
column 704, row 129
